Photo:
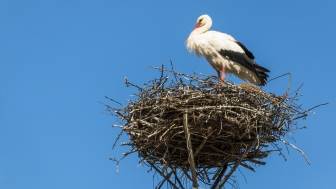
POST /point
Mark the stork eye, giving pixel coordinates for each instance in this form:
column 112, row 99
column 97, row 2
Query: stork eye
column 200, row 20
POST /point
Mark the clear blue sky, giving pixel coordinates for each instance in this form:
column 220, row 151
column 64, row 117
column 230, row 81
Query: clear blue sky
column 59, row 58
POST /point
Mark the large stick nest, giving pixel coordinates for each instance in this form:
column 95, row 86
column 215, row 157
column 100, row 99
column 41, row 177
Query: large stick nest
column 228, row 125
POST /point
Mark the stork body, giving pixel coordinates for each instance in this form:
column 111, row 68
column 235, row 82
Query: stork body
column 224, row 53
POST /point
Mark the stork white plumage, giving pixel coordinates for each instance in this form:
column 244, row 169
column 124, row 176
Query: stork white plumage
column 224, row 53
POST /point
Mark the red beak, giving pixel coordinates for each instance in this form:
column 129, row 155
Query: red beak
column 197, row 25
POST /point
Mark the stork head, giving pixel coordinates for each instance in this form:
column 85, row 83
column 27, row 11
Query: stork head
column 203, row 23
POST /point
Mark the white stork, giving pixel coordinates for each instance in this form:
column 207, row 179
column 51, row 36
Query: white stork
column 224, row 53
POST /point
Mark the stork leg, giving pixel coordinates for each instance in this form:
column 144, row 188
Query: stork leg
column 222, row 74
column 219, row 75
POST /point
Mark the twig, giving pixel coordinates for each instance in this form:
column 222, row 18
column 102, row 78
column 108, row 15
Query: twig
column 297, row 149
column 190, row 151
column 219, row 177
column 164, row 176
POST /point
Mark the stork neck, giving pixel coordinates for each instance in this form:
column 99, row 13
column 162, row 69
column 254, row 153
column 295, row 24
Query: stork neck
column 200, row 30
column 203, row 28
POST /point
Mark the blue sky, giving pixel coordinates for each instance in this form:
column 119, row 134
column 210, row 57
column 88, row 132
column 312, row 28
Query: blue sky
column 59, row 58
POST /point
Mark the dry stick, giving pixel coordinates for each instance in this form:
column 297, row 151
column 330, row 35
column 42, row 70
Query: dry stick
column 199, row 148
column 177, row 178
column 219, row 177
column 226, row 177
column 164, row 176
column 298, row 149
column 117, row 139
column 190, row 151
column 233, row 169
column 163, row 181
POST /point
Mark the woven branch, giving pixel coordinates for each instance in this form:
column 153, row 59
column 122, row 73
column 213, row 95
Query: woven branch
column 228, row 125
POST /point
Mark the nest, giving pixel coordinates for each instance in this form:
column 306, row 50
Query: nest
column 192, row 128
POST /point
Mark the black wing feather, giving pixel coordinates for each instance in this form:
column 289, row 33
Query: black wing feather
column 247, row 52
column 247, row 62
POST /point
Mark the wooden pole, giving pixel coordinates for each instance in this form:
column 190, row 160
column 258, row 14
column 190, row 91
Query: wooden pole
column 190, row 151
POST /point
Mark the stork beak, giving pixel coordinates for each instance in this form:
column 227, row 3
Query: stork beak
column 197, row 25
